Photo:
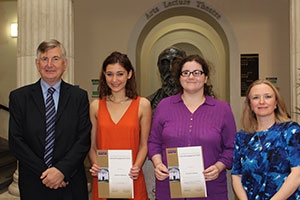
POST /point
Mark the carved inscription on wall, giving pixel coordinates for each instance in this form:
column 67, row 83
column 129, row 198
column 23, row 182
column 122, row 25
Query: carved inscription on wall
column 182, row 3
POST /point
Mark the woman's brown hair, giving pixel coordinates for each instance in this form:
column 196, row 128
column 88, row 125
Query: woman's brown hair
column 177, row 67
column 123, row 60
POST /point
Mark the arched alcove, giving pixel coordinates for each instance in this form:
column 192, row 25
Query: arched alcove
column 182, row 25
column 190, row 31
column 193, row 24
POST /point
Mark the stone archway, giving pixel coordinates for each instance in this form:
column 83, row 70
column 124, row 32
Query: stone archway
column 199, row 10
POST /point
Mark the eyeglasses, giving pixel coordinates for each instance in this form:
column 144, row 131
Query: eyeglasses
column 195, row 73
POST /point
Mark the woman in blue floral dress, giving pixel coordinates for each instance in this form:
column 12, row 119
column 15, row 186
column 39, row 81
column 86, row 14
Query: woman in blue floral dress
column 266, row 162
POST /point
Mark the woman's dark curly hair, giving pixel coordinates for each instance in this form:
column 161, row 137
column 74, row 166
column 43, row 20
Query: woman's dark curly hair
column 123, row 60
column 177, row 67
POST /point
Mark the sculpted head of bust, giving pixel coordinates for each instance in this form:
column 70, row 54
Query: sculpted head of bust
column 166, row 57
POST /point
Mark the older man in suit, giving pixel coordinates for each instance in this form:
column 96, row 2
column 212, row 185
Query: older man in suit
column 49, row 131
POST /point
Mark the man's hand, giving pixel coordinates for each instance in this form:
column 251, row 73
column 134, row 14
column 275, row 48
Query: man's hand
column 53, row 178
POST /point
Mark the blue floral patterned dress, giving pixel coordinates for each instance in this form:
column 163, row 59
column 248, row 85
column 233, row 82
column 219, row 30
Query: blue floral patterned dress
column 265, row 158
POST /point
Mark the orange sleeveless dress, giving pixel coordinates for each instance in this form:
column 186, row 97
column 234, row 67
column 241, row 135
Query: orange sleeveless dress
column 123, row 135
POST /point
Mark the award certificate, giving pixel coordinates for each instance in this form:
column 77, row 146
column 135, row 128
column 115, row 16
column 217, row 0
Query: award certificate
column 113, row 178
column 186, row 168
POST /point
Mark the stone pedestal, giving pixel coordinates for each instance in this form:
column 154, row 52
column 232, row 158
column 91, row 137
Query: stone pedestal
column 13, row 187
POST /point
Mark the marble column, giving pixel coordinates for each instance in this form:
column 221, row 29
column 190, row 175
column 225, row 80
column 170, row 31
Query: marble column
column 40, row 20
column 295, row 58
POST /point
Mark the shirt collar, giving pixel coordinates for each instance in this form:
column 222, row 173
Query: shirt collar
column 208, row 100
column 177, row 98
column 45, row 86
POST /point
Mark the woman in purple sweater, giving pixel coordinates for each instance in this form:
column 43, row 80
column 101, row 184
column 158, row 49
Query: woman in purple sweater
column 193, row 118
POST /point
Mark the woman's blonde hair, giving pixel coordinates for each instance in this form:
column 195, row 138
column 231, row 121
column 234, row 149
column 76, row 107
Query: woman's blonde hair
column 249, row 121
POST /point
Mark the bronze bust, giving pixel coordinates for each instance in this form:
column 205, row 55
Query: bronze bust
column 164, row 63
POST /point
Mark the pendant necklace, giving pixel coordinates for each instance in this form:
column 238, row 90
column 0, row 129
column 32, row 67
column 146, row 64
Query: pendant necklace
column 118, row 102
column 261, row 143
column 261, row 146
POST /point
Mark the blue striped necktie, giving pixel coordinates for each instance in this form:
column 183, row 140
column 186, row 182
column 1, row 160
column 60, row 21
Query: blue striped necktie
column 50, row 127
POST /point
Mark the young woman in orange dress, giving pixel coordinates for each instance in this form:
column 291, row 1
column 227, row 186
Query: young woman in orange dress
column 120, row 120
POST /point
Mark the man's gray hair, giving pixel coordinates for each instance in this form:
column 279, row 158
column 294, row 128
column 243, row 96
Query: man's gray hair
column 50, row 44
